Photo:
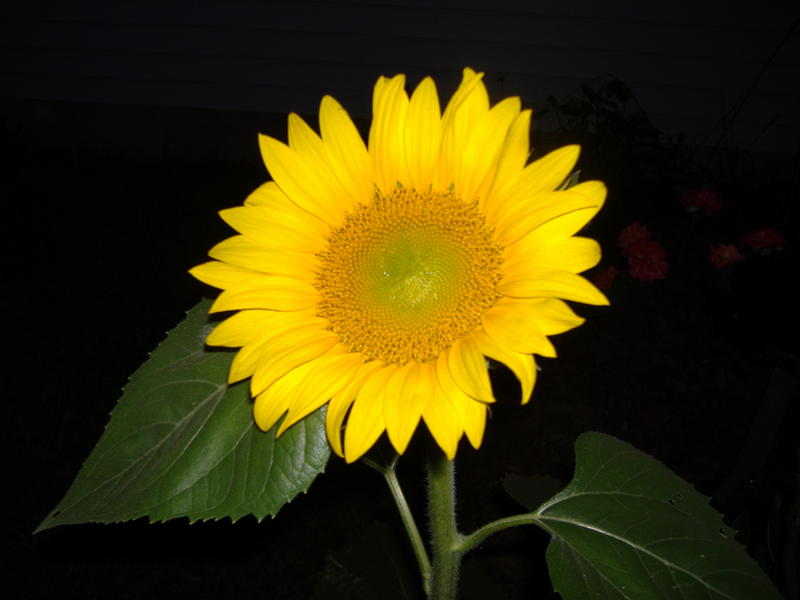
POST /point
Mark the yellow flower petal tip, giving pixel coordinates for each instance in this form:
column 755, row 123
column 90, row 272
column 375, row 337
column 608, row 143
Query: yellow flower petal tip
column 377, row 275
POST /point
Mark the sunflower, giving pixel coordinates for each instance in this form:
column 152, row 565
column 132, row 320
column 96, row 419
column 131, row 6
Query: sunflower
column 376, row 278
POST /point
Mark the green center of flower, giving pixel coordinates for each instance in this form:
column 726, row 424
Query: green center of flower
column 412, row 272
column 407, row 275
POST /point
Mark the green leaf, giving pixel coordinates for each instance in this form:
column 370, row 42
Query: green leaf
column 628, row 527
column 182, row 443
column 574, row 577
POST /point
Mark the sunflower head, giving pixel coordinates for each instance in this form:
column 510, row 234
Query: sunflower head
column 376, row 278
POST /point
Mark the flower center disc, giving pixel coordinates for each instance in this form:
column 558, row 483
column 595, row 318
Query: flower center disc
column 407, row 275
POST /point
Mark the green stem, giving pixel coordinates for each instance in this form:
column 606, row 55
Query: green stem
column 445, row 538
column 440, row 581
column 390, row 475
column 468, row 542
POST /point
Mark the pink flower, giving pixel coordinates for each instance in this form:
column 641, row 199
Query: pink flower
column 633, row 235
column 647, row 261
column 764, row 240
column 706, row 200
column 604, row 278
column 724, row 255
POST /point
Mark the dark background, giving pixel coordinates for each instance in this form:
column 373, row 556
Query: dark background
column 99, row 245
column 699, row 369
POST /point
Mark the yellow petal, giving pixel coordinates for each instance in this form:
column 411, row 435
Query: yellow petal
column 346, row 150
column 547, row 173
column 552, row 169
column 273, row 402
column 575, row 254
column 274, row 292
column 328, row 375
column 572, row 222
column 243, row 252
column 422, row 134
column 468, row 104
column 468, row 369
column 407, row 392
column 477, row 162
column 340, row 404
column 306, row 142
column 469, row 412
column 438, row 416
column 442, row 418
column 268, row 196
column 522, row 365
column 281, row 229
column 299, row 180
column 390, row 104
column 221, row 275
column 470, row 81
column 513, row 157
column 513, row 323
column 554, row 284
column 473, row 417
column 542, row 175
column 554, row 316
column 524, row 213
column 366, row 423
column 294, row 325
column 240, row 328
column 289, row 351
column 284, row 235
column 311, row 148
column 596, row 191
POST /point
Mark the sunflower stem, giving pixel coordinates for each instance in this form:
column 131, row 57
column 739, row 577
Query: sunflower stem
column 390, row 475
column 445, row 539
